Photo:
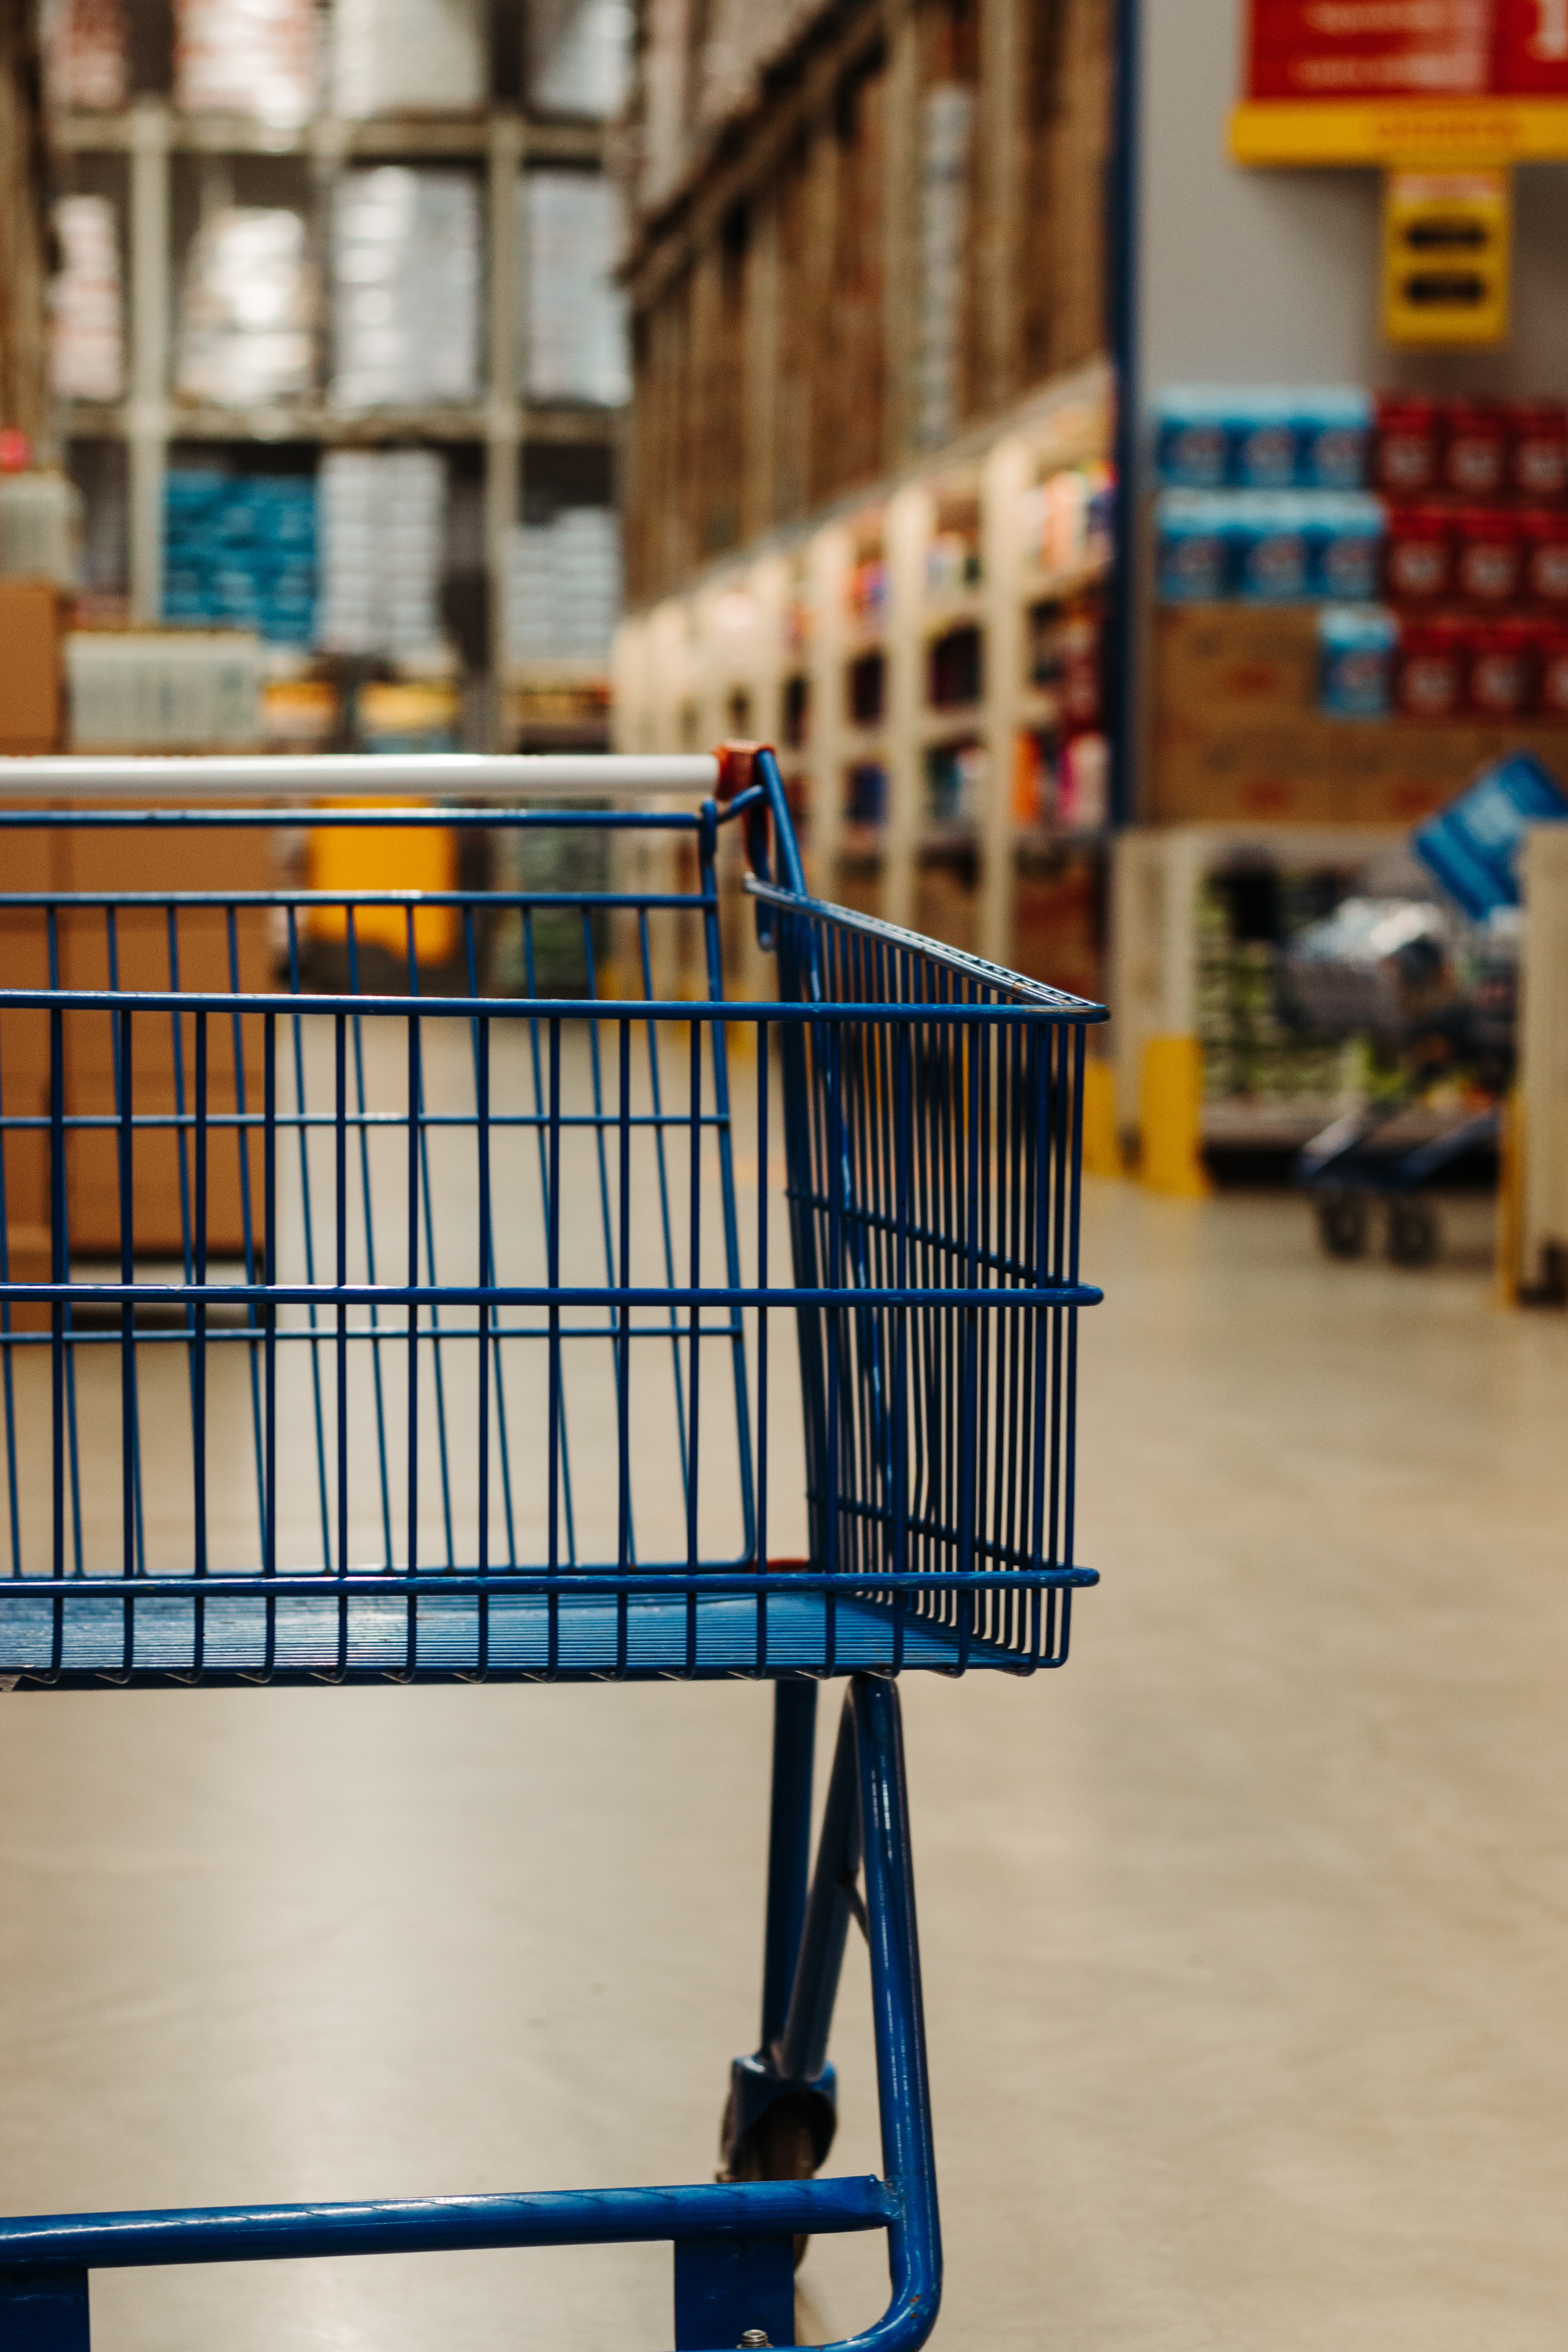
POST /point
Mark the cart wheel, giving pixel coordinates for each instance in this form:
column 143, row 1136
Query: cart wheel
column 1412, row 1234
column 779, row 2147
column 1342, row 1225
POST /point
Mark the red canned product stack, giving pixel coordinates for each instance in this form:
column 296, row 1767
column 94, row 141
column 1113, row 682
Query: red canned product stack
column 1476, row 554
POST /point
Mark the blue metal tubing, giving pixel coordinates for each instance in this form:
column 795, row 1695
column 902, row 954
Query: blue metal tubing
column 789, row 1847
column 801, row 2051
column 716, row 1012
column 277, row 2234
column 903, row 2087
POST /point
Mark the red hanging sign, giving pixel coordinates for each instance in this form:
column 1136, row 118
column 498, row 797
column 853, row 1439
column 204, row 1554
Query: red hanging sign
column 1407, row 49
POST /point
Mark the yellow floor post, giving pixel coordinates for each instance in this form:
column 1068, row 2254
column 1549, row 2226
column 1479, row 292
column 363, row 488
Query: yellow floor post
column 1101, row 1144
column 1510, row 1199
column 1171, row 1107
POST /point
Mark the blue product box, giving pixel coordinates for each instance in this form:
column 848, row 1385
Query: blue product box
column 1333, row 438
column 1194, row 546
column 1347, row 530
column 1473, row 845
column 1261, row 432
column 1191, row 444
column 1356, row 646
column 1272, row 564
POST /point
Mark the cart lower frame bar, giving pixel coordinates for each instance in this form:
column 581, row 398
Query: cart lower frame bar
column 733, row 2239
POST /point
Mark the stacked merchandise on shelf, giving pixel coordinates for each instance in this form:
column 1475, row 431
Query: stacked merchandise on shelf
column 134, row 692
column 691, row 87
column 563, row 588
column 1265, row 496
column 1329, row 561
column 405, row 294
column 396, row 56
column 1475, row 575
column 1246, row 921
column 239, row 552
column 254, row 58
column 575, row 344
column 1069, row 519
column 248, row 310
column 1061, row 773
column 84, row 54
column 383, row 520
column 41, row 528
column 86, row 332
column 946, row 129
column 580, row 57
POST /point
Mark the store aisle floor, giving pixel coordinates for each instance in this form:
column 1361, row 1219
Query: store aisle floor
column 1246, row 1938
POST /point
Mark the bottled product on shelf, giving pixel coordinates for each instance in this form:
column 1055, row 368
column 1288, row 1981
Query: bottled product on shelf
column 156, row 692
column 254, row 58
column 246, row 309
column 563, row 597
column 575, row 344
column 396, row 56
column 84, row 54
column 239, row 552
column 1068, row 519
column 405, row 291
column 383, row 522
column 87, row 331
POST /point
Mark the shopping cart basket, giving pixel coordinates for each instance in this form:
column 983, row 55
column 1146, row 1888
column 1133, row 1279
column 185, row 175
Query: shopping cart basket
column 393, row 1275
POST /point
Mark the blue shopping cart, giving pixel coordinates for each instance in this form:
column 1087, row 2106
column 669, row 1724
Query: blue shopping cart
column 285, row 1182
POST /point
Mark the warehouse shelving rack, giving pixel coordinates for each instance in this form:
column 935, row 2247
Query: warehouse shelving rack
column 729, row 653
column 505, row 141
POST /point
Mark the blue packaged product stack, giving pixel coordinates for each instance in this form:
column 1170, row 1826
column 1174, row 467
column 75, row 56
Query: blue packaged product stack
column 1356, row 646
column 1263, row 495
column 239, row 552
column 1211, row 437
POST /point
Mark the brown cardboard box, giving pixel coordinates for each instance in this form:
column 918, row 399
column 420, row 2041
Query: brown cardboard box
column 1319, row 770
column 32, row 701
column 1242, row 663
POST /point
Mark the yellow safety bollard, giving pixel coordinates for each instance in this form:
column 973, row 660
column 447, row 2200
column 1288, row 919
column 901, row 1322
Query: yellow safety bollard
column 1170, row 1109
column 1101, row 1144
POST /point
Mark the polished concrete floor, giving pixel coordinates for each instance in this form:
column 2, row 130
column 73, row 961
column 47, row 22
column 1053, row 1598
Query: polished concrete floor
column 1246, row 1938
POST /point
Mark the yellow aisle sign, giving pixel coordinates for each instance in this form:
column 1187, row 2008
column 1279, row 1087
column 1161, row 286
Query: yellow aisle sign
column 1446, row 258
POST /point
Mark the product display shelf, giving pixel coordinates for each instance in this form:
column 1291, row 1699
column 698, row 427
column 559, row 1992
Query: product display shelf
column 504, row 141
column 784, row 612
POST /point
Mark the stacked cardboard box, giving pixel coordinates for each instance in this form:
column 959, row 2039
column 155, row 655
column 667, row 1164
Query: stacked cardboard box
column 246, row 309
column 406, row 297
column 41, row 528
column 395, row 57
column 946, row 130
column 383, row 533
column 254, row 58
column 155, row 691
column 570, row 234
column 563, row 590
column 87, row 331
column 31, row 703
column 1237, row 734
column 84, row 53
column 580, row 56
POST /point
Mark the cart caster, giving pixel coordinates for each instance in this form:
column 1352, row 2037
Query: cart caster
column 780, row 2145
column 1342, row 1225
column 1412, row 1234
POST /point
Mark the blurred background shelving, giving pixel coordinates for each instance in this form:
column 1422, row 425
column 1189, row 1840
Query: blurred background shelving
column 291, row 236
column 868, row 498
